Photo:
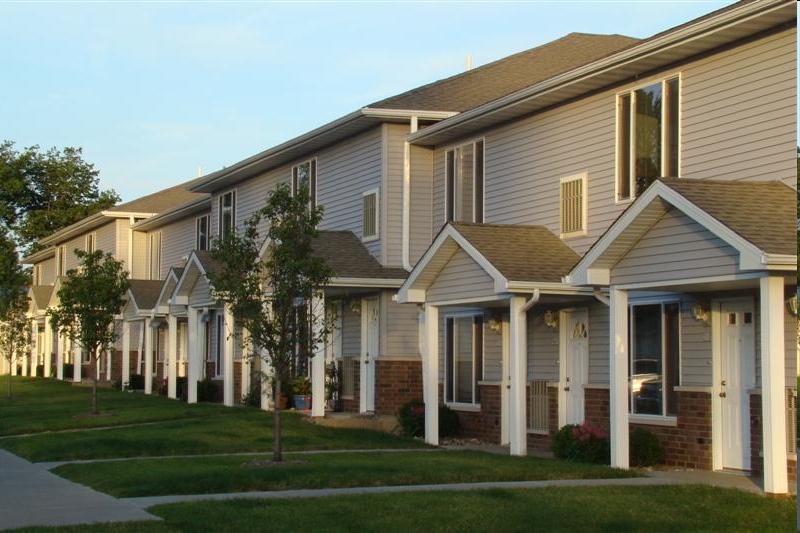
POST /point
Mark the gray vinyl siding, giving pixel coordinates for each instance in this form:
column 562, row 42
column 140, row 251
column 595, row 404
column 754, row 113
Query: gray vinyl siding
column 492, row 354
column 460, row 278
column 675, row 248
column 392, row 198
column 48, row 270
column 696, row 347
column 140, row 265
column 740, row 112
column 421, row 219
column 106, row 239
column 200, row 293
column 344, row 172
column 542, row 348
column 351, row 331
column 178, row 239
column 598, row 343
column 401, row 328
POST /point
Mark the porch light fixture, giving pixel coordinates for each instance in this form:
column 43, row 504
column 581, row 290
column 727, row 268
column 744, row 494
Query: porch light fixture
column 495, row 325
column 791, row 305
column 700, row 314
column 355, row 306
column 551, row 319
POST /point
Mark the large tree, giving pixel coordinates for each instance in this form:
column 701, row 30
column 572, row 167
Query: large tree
column 14, row 324
column 89, row 299
column 42, row 192
column 273, row 297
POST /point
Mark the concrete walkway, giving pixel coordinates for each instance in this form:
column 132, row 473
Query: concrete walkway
column 32, row 496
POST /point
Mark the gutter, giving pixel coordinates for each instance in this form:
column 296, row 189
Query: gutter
column 171, row 214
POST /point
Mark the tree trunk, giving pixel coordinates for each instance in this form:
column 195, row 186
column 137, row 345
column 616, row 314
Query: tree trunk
column 277, row 452
column 9, row 381
column 95, row 411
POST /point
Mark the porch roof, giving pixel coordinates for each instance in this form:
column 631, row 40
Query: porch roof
column 755, row 218
column 143, row 293
column 40, row 296
column 351, row 262
column 517, row 258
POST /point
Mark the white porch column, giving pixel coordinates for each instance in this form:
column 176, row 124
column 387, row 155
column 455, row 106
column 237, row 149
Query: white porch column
column 172, row 357
column 618, row 377
column 266, row 380
column 48, row 346
column 518, row 365
column 773, row 385
column 13, row 364
column 430, row 374
column 126, row 353
column 192, row 358
column 230, row 338
column 318, row 361
column 140, row 350
column 29, row 361
column 59, row 356
column 148, row 356
column 245, row 370
column 77, row 362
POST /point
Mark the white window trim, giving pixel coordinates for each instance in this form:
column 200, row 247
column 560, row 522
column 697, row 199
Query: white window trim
column 629, row 91
column 312, row 177
column 61, row 260
column 197, row 232
column 584, row 177
column 233, row 211
column 150, row 238
column 369, row 238
column 90, row 237
column 447, row 192
column 465, row 406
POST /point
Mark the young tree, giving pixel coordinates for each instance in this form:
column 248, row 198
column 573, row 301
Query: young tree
column 90, row 297
column 273, row 297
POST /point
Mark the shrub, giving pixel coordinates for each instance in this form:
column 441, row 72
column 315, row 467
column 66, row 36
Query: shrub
column 412, row 420
column 182, row 387
column 206, row 390
column 69, row 371
column 116, row 384
column 136, row 382
column 645, row 448
column 584, row 443
column 253, row 398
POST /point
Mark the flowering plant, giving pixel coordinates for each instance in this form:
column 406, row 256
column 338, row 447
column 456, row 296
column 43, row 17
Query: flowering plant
column 582, row 442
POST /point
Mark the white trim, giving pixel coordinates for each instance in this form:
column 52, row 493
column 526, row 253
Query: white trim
column 313, row 164
column 653, row 420
column 691, row 281
column 378, row 283
column 471, row 301
column 583, row 177
column 694, row 388
column 466, row 407
column 377, row 220
column 598, row 386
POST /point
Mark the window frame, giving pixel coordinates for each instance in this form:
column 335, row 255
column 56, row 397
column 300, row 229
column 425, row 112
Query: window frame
column 221, row 210
column 61, row 260
column 197, row 239
column 312, row 180
column 478, row 181
column 665, row 416
column 377, row 235
column 151, row 238
column 478, row 366
column 90, row 242
column 630, row 93
column 583, row 177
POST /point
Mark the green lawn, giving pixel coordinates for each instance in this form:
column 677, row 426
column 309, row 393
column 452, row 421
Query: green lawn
column 311, row 471
column 685, row 508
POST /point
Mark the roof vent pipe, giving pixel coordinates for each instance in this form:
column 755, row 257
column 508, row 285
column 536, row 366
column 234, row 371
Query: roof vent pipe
column 469, row 62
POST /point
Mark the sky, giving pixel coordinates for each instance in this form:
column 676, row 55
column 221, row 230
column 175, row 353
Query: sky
column 153, row 91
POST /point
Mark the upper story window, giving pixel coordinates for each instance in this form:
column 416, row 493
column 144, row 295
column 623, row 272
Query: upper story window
column 574, row 205
column 227, row 213
column 201, row 233
column 647, row 136
column 369, row 215
column 61, row 260
column 463, row 358
column 464, row 183
column 37, row 274
column 155, row 255
column 305, row 175
column 90, row 244
column 654, row 358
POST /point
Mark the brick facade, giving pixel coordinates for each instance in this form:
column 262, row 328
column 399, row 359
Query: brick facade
column 396, row 382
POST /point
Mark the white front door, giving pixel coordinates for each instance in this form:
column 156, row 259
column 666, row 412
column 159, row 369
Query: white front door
column 736, row 375
column 370, row 331
column 574, row 369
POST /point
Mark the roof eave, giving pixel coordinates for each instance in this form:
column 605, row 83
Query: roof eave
column 173, row 214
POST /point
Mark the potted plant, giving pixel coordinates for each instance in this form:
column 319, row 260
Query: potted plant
column 301, row 389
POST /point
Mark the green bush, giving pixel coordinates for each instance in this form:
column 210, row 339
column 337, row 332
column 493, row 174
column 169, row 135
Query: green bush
column 412, row 420
column 583, row 443
column 136, row 382
column 645, row 448
column 253, row 398
column 206, row 390
column 116, row 384
column 69, row 371
column 182, row 388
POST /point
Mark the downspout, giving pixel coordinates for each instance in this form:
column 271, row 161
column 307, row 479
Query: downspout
column 530, row 303
column 414, row 125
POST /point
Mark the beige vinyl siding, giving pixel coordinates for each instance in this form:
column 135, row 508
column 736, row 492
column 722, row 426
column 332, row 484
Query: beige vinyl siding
column 123, row 235
column 460, row 278
column 351, row 330
column 48, row 270
column 740, row 112
column 200, row 293
column 675, row 248
column 72, row 244
column 392, row 197
column 492, row 354
column 140, row 265
column 400, row 327
column 598, row 343
column 178, row 239
column 106, row 239
column 344, row 172
column 421, row 219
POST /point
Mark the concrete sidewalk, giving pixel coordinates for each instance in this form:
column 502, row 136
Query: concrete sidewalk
column 32, row 496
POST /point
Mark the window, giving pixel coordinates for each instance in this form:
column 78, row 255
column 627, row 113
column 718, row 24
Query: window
column 369, row 215
column 305, row 175
column 655, row 358
column 201, row 233
column 90, row 243
column 464, row 183
column 647, row 136
column 463, row 358
column 155, row 255
column 61, row 261
column 227, row 213
column 37, row 274
column 573, row 205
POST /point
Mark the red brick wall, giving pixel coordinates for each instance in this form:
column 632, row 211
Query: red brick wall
column 757, row 441
column 116, row 365
column 396, row 382
column 483, row 424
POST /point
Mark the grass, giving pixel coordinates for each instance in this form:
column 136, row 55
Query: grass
column 244, row 473
column 684, row 508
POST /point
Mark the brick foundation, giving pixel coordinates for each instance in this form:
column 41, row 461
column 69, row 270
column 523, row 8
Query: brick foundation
column 483, row 424
column 396, row 382
column 237, row 382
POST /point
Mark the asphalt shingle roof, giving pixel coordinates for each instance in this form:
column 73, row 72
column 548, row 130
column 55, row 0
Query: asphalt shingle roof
column 145, row 292
column 521, row 253
column 161, row 200
column 763, row 212
column 347, row 257
column 505, row 76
